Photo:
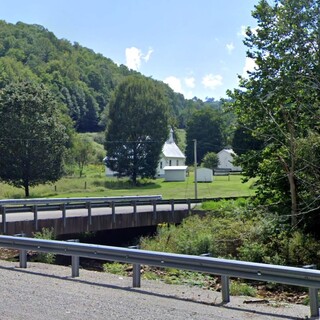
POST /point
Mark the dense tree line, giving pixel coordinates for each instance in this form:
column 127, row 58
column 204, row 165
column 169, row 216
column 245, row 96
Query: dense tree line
column 79, row 77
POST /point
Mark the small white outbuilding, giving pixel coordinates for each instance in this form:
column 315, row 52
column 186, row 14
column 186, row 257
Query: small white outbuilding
column 204, row 175
column 175, row 173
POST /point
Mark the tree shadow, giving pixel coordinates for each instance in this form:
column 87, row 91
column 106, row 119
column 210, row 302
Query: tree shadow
column 127, row 184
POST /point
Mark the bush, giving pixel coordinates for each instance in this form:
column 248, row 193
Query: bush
column 238, row 288
column 237, row 230
column 210, row 160
column 47, row 234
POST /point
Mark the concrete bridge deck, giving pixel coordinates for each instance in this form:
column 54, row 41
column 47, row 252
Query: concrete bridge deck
column 78, row 220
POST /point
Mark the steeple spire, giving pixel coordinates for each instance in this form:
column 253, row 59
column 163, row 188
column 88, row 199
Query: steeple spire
column 170, row 140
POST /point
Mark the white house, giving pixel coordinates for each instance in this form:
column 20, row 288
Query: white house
column 226, row 160
column 171, row 156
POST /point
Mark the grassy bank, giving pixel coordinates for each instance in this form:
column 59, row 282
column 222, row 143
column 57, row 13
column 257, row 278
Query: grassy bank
column 95, row 184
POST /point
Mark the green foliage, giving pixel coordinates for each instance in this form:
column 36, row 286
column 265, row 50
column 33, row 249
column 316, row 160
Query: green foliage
column 115, row 268
column 243, row 141
column 205, row 126
column 237, row 230
column 83, row 152
column 238, row 288
column 210, row 160
column 33, row 136
column 278, row 104
column 46, row 234
column 138, row 128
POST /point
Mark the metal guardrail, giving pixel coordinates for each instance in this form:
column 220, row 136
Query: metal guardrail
column 225, row 268
column 51, row 201
column 11, row 206
column 47, row 204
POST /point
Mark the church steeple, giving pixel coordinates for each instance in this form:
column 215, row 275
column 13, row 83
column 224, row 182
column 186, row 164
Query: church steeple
column 171, row 140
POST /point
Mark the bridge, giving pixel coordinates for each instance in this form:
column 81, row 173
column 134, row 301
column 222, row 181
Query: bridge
column 78, row 215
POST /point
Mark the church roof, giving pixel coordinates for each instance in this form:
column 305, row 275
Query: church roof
column 170, row 149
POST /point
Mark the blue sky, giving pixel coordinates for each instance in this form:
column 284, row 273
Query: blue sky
column 193, row 45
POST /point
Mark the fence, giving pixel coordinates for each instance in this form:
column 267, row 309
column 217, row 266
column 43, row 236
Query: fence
column 225, row 268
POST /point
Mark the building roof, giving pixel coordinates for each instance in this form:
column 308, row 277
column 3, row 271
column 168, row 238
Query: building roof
column 170, row 149
column 227, row 150
column 175, row 168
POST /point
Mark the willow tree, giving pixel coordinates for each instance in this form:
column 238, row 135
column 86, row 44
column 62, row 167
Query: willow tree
column 33, row 136
column 137, row 128
column 278, row 102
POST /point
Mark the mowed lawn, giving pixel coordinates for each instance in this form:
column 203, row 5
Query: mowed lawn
column 95, row 184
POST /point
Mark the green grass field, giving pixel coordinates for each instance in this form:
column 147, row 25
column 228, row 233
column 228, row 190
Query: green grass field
column 95, row 184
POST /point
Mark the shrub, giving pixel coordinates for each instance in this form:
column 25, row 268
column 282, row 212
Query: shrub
column 237, row 230
column 47, row 234
column 238, row 288
column 116, row 268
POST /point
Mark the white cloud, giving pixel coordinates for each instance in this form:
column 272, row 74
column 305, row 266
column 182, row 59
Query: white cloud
column 134, row 57
column 190, row 82
column 174, row 83
column 249, row 65
column 212, row 81
column 230, row 47
column 242, row 32
column 147, row 56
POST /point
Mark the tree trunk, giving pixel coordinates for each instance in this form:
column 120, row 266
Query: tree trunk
column 294, row 199
column 26, row 190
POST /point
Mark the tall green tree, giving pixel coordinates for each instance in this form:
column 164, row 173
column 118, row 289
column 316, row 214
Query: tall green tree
column 137, row 129
column 278, row 101
column 33, row 136
column 205, row 126
column 83, row 152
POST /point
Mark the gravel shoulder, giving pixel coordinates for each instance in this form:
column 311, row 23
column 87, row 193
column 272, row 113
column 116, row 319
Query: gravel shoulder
column 45, row 291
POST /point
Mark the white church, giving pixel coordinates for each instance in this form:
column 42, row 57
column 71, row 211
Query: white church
column 171, row 165
column 172, row 161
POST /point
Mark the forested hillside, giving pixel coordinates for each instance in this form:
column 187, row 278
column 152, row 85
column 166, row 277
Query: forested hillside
column 81, row 78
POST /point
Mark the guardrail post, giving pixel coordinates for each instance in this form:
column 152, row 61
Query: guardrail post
column 134, row 204
column 189, row 205
column 136, row 276
column 172, row 209
column 4, row 220
column 35, row 216
column 313, row 296
column 75, row 262
column 113, row 212
column 225, row 289
column 22, row 254
column 154, row 214
column 89, row 213
column 64, row 214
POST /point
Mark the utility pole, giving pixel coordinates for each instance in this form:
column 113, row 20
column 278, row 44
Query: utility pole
column 195, row 170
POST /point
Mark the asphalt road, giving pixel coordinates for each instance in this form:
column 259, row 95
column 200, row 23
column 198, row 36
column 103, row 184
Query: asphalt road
column 48, row 292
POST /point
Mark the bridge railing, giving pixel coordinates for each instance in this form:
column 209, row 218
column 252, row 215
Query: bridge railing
column 225, row 268
column 11, row 206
